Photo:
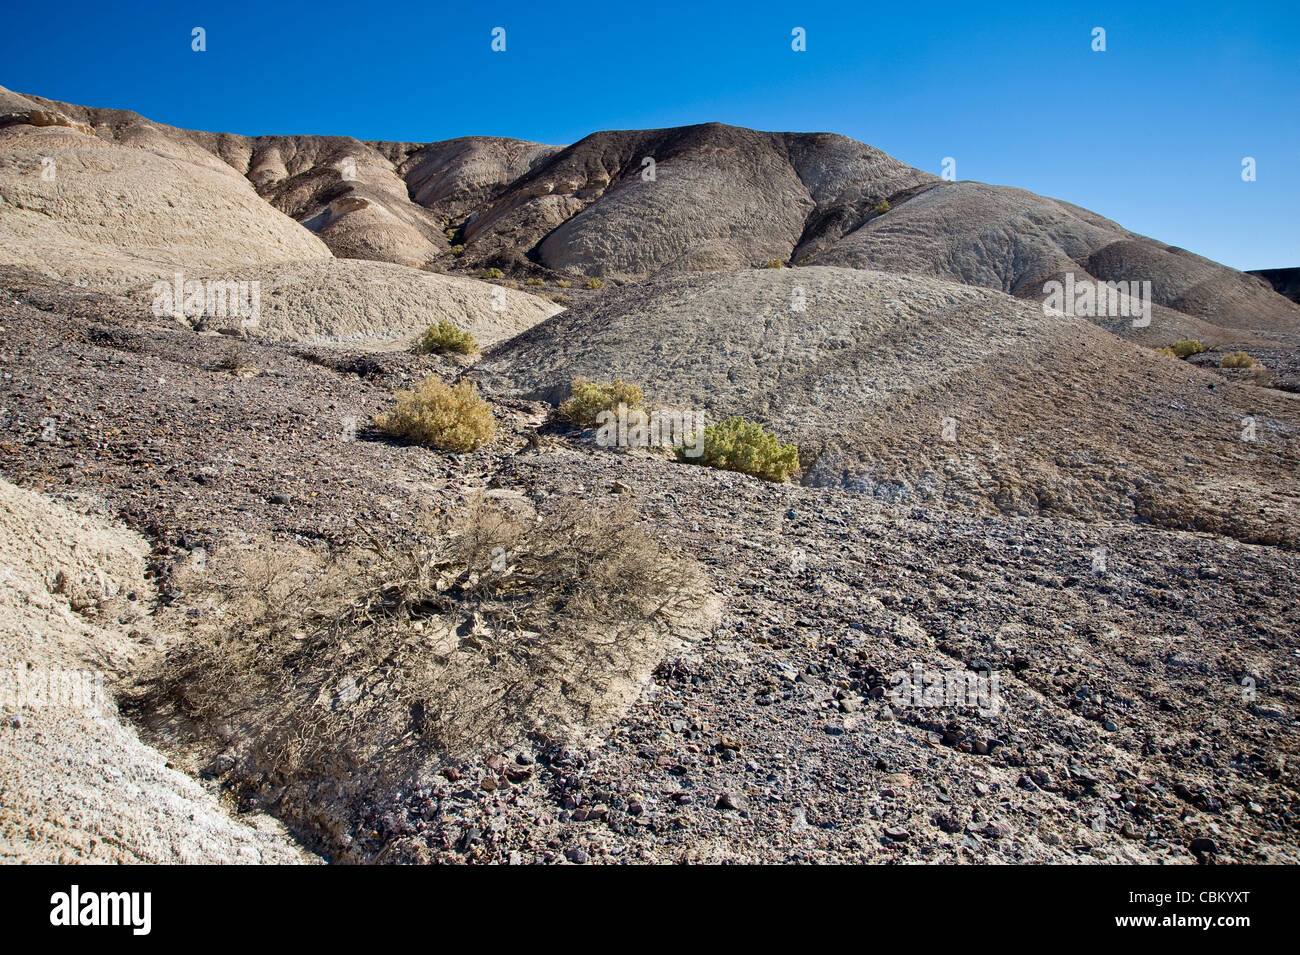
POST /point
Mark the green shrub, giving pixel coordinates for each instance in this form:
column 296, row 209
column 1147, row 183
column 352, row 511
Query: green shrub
column 593, row 284
column 534, row 281
column 491, row 274
column 882, row 207
column 740, row 445
column 1237, row 359
column 563, row 283
column 1187, row 347
column 445, row 337
column 457, row 250
column 453, row 418
column 560, row 299
column 590, row 398
column 775, row 264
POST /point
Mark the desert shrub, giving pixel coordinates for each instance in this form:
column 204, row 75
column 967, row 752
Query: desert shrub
column 1237, row 359
column 593, row 284
column 446, row 337
column 450, row 234
column 534, row 281
column 491, row 274
column 372, row 664
column 1167, row 351
column 453, row 418
column 740, row 445
column 457, row 249
column 1187, row 347
column 590, row 398
column 882, row 207
column 563, row 283
column 775, row 264
column 560, row 299
column 235, row 360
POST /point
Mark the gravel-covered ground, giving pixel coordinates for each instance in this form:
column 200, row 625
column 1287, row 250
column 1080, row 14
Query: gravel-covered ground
column 1147, row 677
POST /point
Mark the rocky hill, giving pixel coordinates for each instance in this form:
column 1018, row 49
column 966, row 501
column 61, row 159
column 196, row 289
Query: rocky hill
column 1284, row 281
column 318, row 636
column 629, row 204
column 864, row 370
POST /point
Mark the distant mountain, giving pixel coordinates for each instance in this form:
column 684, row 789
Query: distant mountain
column 1284, row 281
column 624, row 205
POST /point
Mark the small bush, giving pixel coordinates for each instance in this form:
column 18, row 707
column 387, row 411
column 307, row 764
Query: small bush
column 560, row 299
column 1187, row 347
column 371, row 665
column 235, row 360
column 882, row 207
column 775, row 264
column 593, row 284
column 450, row 234
column 445, row 337
column 563, row 283
column 491, row 274
column 534, row 281
column 590, row 398
column 740, row 445
column 1167, row 351
column 1237, row 359
column 457, row 250
column 453, row 418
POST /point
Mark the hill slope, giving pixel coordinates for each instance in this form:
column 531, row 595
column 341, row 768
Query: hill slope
column 1052, row 415
column 628, row 204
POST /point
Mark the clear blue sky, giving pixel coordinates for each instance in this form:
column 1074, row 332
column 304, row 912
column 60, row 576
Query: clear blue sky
column 1151, row 132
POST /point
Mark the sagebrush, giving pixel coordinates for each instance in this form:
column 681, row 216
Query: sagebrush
column 448, row 417
column 590, row 398
column 740, row 445
column 1237, row 359
column 446, row 337
column 1187, row 347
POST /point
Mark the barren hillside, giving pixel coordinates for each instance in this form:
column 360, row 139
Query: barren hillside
column 628, row 204
column 378, row 603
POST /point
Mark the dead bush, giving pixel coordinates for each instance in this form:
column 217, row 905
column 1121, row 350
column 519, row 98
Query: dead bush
column 389, row 659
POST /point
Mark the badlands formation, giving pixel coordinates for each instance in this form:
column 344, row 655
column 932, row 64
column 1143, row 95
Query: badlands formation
column 202, row 526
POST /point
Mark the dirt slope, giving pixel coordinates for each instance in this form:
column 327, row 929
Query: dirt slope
column 1049, row 415
column 76, row 782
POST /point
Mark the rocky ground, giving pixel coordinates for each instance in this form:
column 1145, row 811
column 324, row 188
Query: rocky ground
column 1146, row 676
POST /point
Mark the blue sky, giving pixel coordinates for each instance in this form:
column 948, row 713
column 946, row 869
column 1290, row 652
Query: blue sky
column 1151, row 133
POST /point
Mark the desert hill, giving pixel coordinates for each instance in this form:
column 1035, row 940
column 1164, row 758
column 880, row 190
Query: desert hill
column 1052, row 415
column 716, row 197
column 533, row 648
